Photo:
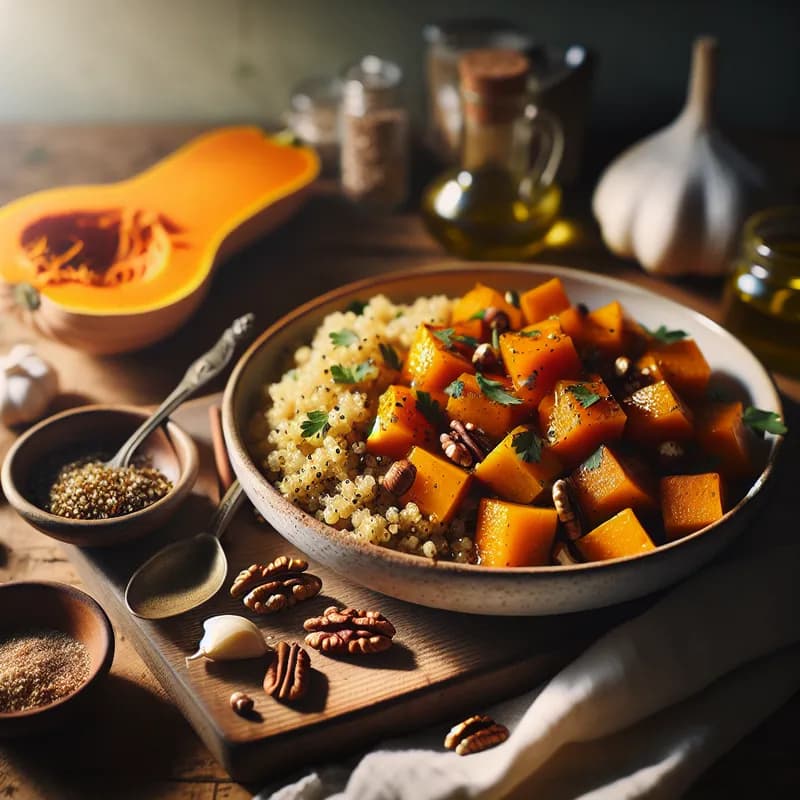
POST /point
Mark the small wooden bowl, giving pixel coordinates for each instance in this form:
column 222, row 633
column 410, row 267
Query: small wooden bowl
column 91, row 429
column 29, row 605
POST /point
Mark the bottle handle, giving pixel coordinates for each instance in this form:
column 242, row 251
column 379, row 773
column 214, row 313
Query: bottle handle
column 542, row 171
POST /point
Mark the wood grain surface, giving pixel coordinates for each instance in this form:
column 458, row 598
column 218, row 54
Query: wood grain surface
column 135, row 743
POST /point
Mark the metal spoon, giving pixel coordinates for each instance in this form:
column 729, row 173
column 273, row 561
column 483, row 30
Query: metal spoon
column 186, row 573
column 200, row 372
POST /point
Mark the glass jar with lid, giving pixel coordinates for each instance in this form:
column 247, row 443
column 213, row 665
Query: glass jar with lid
column 762, row 292
column 374, row 135
column 313, row 116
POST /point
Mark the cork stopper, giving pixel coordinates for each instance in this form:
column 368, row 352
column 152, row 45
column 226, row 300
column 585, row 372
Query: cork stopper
column 491, row 80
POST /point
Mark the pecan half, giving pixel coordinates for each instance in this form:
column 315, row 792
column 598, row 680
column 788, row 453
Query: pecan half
column 399, row 477
column 497, row 319
column 349, row 630
column 241, row 703
column 256, row 574
column 465, row 444
column 566, row 510
column 282, row 592
column 474, row 734
column 485, row 358
column 287, row 676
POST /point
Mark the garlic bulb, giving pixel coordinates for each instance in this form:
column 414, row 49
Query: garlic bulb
column 27, row 385
column 229, row 637
column 675, row 200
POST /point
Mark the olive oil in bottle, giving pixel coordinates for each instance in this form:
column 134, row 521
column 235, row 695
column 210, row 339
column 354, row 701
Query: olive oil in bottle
column 762, row 293
column 500, row 202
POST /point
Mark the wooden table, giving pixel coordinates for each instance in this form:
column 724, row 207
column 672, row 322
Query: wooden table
column 141, row 747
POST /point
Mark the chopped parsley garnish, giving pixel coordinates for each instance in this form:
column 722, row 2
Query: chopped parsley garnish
column 479, row 314
column 666, row 336
column 455, row 389
column 343, row 338
column 448, row 337
column 528, row 446
column 357, row 307
column 429, row 408
column 586, row 397
column 535, row 333
column 355, row 374
column 593, row 462
column 495, row 340
column 763, row 422
column 494, row 391
column 316, row 422
column 390, row 357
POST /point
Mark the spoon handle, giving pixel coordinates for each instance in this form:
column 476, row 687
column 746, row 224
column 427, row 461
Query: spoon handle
column 227, row 507
column 200, row 372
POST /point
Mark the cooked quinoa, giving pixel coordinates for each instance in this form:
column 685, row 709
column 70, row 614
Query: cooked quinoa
column 330, row 474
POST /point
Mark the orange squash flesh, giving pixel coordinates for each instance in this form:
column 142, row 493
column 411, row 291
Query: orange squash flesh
column 608, row 483
column 477, row 300
column 472, row 405
column 439, row 486
column 679, row 363
column 399, row 425
column 536, row 362
column 512, row 535
column 577, row 428
column 508, row 475
column 690, row 502
column 543, row 301
column 722, row 434
column 657, row 414
column 618, row 537
column 430, row 366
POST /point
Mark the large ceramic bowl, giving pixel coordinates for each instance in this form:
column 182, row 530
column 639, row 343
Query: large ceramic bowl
column 477, row 589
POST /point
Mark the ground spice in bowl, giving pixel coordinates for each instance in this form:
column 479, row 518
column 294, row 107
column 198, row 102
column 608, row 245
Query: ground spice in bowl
column 89, row 489
column 38, row 667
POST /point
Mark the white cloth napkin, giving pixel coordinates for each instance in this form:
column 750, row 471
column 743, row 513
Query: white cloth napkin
column 640, row 714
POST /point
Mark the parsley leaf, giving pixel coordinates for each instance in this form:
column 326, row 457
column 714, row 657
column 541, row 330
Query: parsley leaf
column 666, row 336
column 390, row 357
column 494, row 391
column 448, row 337
column 357, row 307
column 535, row 333
column 763, row 421
column 455, row 389
column 357, row 374
column 586, row 397
column 314, row 423
column 496, row 340
column 343, row 338
column 528, row 446
column 429, row 408
column 479, row 314
column 593, row 462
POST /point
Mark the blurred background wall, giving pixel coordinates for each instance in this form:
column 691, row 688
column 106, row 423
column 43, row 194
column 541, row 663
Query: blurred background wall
column 126, row 60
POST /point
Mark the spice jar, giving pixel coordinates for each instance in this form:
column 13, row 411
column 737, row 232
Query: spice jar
column 313, row 117
column 762, row 292
column 502, row 200
column 375, row 135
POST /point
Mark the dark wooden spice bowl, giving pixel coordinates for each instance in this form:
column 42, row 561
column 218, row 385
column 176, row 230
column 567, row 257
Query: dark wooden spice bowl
column 33, row 460
column 30, row 605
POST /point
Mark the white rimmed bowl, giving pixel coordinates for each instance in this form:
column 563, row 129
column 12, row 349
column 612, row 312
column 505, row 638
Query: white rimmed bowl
column 469, row 588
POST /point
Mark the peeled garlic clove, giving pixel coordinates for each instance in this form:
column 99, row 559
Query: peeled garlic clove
column 229, row 637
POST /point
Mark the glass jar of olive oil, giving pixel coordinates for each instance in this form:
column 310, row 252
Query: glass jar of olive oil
column 501, row 200
column 762, row 293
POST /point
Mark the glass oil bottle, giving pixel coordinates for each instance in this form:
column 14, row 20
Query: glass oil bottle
column 501, row 200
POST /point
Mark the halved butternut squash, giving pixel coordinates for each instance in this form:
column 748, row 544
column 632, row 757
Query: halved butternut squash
column 111, row 268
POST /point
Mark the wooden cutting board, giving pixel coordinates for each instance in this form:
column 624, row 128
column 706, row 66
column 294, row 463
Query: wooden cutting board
column 442, row 666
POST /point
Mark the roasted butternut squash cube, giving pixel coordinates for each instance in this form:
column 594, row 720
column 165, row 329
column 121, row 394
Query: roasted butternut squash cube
column 518, row 469
column 690, row 502
column 439, row 486
column 543, row 301
column 400, row 424
column 512, row 535
column 657, row 414
column 618, row 537
column 606, row 483
column 468, row 403
column 477, row 300
column 431, row 365
column 585, row 415
column 536, row 360
column 601, row 331
column 722, row 435
column 680, row 363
